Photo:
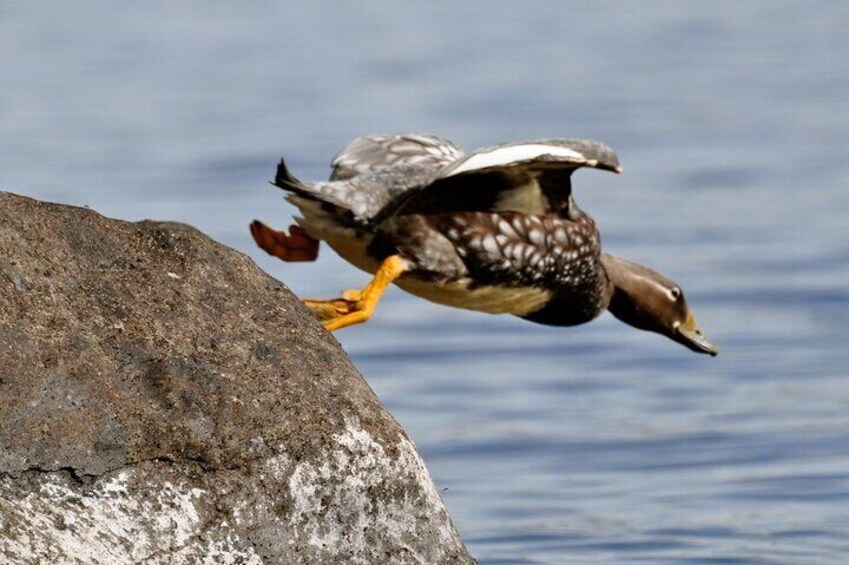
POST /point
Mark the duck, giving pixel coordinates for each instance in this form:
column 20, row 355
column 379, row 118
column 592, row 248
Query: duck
column 497, row 230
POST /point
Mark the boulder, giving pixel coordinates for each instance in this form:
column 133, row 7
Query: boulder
column 164, row 400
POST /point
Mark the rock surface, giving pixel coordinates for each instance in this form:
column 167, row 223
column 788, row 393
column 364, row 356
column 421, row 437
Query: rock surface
column 164, row 400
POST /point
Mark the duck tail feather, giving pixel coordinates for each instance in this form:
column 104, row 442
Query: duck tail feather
column 286, row 180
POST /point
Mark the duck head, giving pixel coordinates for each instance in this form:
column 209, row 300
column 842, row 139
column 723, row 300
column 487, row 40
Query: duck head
column 650, row 301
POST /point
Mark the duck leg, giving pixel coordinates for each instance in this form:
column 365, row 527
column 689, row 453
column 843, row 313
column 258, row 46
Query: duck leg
column 295, row 246
column 357, row 306
column 327, row 310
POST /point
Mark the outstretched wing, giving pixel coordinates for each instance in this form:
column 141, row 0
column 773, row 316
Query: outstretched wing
column 371, row 153
column 531, row 177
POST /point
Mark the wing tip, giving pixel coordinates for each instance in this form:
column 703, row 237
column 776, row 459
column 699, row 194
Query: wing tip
column 613, row 167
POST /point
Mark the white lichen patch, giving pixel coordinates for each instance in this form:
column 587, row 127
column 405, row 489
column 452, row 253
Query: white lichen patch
column 110, row 522
column 220, row 549
column 359, row 494
column 358, row 501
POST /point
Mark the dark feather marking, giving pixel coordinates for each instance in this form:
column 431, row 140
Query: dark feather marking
column 510, row 247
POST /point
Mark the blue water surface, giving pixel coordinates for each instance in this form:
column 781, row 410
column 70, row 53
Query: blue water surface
column 596, row 444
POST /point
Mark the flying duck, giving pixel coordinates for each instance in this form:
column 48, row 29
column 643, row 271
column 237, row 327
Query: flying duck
column 497, row 230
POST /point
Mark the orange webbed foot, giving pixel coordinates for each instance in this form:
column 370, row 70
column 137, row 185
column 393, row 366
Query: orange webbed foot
column 295, row 246
column 357, row 306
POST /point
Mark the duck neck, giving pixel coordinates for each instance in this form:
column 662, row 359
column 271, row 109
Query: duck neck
column 616, row 268
column 626, row 300
column 618, row 272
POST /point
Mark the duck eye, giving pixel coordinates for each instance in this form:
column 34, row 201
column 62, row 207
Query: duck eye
column 675, row 293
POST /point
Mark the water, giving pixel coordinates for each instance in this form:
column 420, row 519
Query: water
column 598, row 444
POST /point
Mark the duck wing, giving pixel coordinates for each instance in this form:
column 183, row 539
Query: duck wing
column 371, row 172
column 355, row 201
column 531, row 177
column 371, row 153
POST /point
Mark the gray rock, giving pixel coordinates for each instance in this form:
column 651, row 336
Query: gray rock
column 164, row 400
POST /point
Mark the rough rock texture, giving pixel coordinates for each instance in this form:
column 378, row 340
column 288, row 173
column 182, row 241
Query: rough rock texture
column 163, row 400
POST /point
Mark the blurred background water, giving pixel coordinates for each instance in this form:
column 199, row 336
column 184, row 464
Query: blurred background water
column 597, row 444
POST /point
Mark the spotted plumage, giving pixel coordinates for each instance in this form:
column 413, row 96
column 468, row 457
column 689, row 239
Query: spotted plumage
column 497, row 230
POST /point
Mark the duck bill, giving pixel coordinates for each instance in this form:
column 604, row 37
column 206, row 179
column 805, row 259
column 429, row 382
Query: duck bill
column 691, row 336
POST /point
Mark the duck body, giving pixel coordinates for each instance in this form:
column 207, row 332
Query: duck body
column 502, row 262
column 496, row 231
column 515, row 257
